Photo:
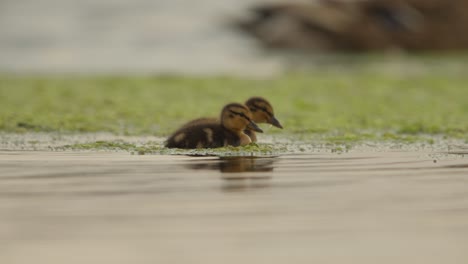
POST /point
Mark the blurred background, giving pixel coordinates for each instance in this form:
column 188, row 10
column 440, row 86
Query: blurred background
column 127, row 36
column 222, row 36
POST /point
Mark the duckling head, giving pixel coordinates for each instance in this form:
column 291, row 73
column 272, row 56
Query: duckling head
column 237, row 117
column 262, row 111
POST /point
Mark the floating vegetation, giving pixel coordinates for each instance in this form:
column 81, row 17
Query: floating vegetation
column 116, row 145
column 158, row 148
column 267, row 145
column 274, row 146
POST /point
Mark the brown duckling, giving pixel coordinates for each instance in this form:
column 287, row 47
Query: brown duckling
column 235, row 118
column 262, row 112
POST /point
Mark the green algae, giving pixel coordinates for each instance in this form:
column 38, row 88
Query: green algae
column 289, row 145
column 340, row 104
column 158, row 148
column 117, row 145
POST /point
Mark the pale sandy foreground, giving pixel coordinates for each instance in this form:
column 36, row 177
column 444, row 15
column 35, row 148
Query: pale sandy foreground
column 388, row 207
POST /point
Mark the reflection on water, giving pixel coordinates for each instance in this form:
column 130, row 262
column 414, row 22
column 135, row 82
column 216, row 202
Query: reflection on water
column 236, row 164
column 239, row 173
column 243, row 164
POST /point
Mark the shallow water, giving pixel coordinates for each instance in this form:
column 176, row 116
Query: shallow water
column 360, row 207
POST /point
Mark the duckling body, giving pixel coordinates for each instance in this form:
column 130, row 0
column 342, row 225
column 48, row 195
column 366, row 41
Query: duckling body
column 209, row 135
column 262, row 112
column 213, row 134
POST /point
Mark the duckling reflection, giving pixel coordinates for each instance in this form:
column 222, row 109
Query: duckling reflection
column 237, row 164
column 244, row 164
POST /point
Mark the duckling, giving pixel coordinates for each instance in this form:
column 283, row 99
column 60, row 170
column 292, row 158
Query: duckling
column 262, row 112
column 234, row 119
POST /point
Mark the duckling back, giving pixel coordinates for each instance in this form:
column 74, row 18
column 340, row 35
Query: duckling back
column 201, row 121
column 207, row 120
column 202, row 135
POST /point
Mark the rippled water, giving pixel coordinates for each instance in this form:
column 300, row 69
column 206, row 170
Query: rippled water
column 362, row 207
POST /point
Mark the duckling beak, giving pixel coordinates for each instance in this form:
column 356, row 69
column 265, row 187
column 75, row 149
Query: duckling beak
column 254, row 127
column 275, row 122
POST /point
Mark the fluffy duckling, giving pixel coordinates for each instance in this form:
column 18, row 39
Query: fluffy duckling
column 262, row 112
column 235, row 118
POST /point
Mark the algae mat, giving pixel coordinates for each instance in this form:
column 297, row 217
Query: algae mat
column 362, row 207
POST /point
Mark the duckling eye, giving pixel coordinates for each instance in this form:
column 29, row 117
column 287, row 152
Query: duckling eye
column 239, row 114
column 244, row 116
column 263, row 109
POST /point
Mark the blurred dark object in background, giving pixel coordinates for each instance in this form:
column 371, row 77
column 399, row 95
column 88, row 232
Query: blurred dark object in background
column 361, row 25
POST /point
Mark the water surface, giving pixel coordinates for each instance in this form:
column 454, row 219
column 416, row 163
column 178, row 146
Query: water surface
column 363, row 207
